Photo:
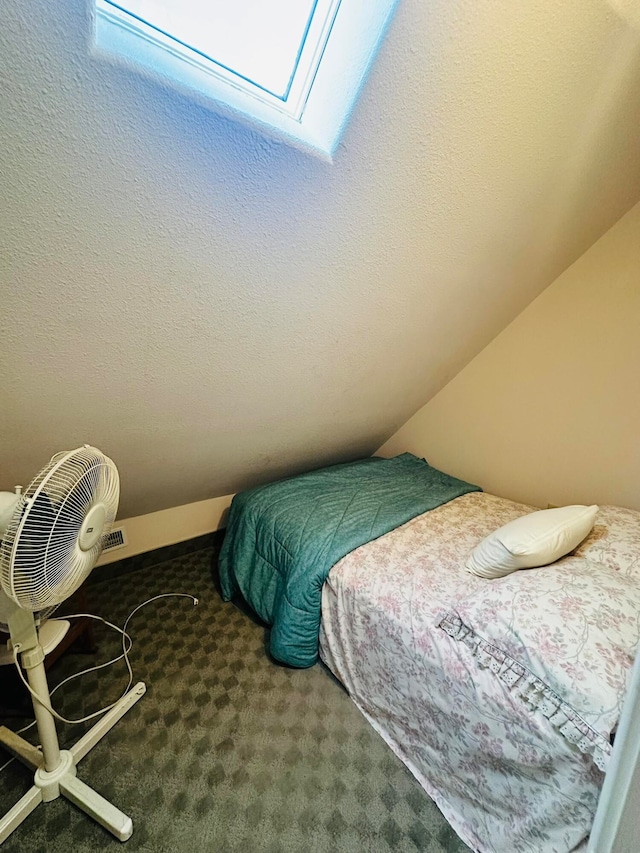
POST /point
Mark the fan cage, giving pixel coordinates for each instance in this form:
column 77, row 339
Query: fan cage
column 41, row 562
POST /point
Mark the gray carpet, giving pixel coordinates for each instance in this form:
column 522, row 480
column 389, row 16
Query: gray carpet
column 227, row 751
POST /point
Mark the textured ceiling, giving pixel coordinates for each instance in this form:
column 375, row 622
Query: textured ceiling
column 214, row 309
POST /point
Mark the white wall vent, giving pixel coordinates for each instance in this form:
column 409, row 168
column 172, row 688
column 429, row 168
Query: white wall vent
column 116, row 539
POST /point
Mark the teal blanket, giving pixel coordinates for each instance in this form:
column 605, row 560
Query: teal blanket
column 283, row 538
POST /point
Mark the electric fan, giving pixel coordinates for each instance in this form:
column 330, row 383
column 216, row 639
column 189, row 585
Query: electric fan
column 51, row 537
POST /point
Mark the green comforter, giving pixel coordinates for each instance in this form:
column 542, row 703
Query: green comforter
column 283, row 538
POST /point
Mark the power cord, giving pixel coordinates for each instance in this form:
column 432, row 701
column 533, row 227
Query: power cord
column 127, row 643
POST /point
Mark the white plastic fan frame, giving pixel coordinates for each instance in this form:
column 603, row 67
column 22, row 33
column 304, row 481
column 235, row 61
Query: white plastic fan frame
column 94, row 527
column 83, row 532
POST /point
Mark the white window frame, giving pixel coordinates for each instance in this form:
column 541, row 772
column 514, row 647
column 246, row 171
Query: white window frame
column 333, row 61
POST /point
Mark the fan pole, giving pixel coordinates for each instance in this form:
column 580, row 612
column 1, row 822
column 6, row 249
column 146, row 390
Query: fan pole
column 33, row 662
column 55, row 769
column 25, row 636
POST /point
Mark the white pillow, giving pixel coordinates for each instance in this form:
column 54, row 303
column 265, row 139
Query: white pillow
column 536, row 539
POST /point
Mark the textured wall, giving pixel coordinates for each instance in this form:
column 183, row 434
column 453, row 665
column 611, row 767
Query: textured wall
column 549, row 412
column 214, row 309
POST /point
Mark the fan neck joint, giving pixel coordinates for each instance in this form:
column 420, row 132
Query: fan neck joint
column 33, row 657
column 23, row 630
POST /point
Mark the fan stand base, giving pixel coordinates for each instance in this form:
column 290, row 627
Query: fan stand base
column 62, row 780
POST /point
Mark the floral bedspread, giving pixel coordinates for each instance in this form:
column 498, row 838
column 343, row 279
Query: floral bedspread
column 499, row 768
column 562, row 637
column 614, row 541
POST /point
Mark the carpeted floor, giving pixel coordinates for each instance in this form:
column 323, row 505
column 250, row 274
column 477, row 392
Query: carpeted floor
column 227, row 751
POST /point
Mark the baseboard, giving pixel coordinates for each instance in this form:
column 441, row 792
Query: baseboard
column 208, row 541
column 167, row 527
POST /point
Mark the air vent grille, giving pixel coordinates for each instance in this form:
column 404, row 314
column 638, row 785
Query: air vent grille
column 116, row 539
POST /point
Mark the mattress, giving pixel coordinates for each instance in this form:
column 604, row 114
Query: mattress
column 503, row 775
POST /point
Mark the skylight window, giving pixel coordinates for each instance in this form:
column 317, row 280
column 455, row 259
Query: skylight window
column 293, row 66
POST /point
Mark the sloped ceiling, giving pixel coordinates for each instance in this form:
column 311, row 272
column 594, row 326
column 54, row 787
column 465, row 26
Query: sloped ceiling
column 214, row 309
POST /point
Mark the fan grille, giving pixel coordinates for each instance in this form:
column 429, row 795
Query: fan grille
column 41, row 561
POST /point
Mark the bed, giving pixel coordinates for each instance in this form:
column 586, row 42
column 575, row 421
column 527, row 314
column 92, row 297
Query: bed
column 500, row 696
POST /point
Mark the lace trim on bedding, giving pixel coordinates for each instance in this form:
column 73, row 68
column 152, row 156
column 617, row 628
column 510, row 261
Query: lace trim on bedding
column 532, row 690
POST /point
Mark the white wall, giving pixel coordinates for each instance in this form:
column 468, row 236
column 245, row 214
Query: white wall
column 549, row 412
column 168, row 526
column 213, row 309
